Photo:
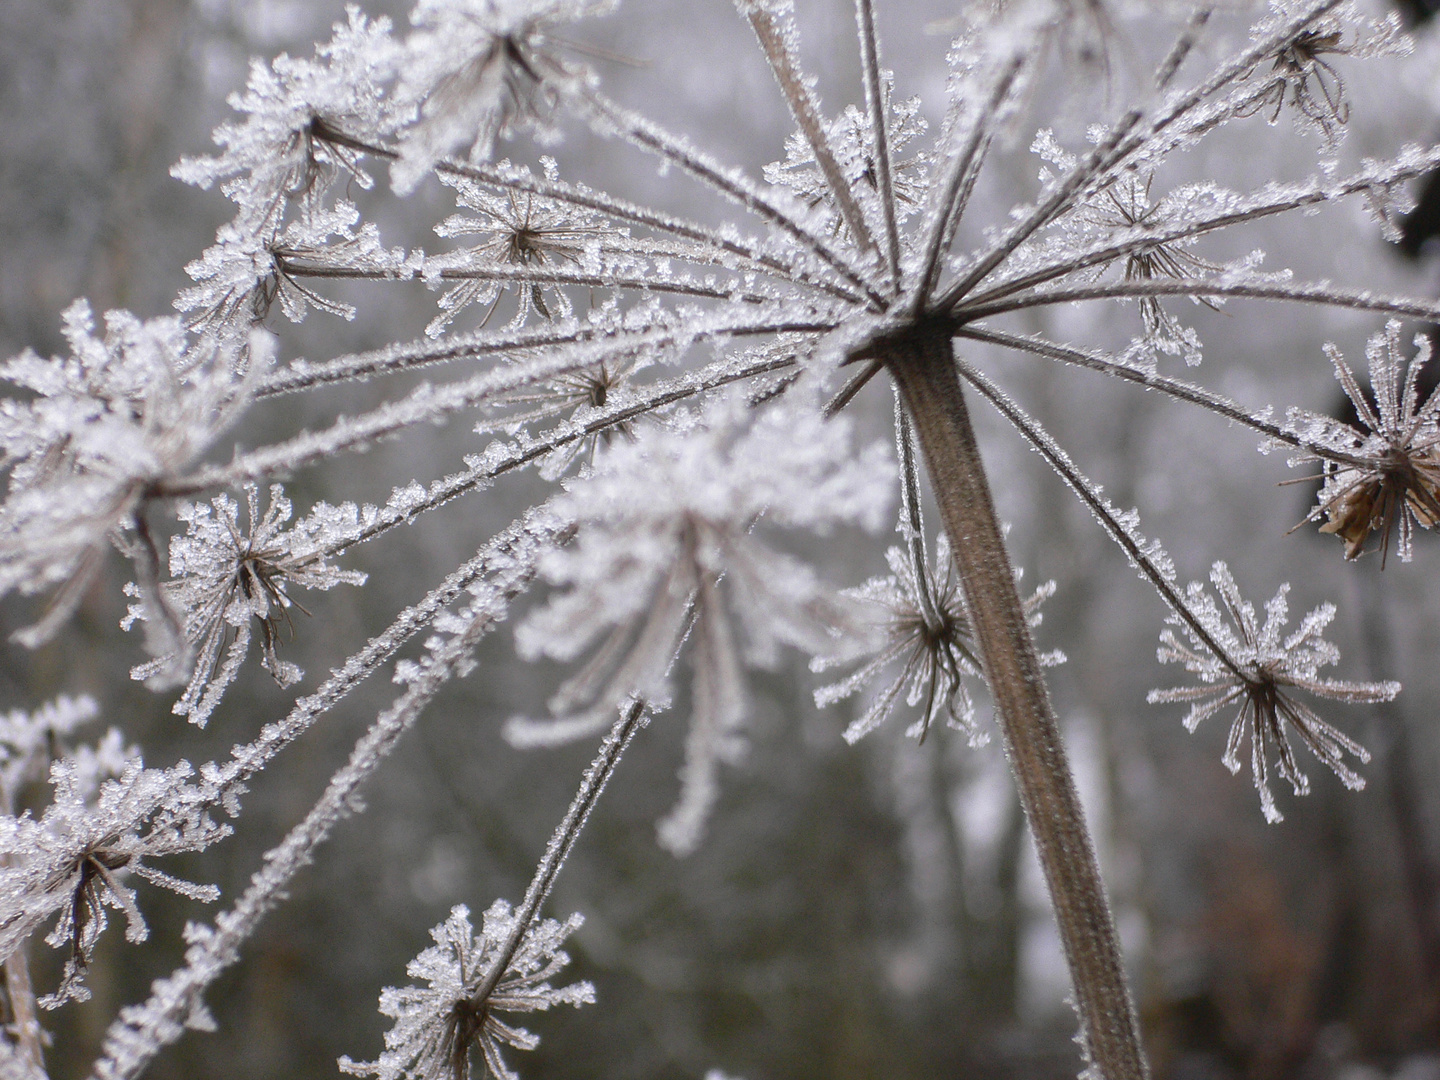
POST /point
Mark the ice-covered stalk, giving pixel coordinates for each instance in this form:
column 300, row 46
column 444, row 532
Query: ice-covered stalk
column 631, row 720
column 921, row 362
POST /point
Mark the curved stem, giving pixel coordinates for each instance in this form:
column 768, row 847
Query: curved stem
column 922, row 365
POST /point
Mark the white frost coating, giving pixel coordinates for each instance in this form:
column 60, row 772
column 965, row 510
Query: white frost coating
column 608, row 300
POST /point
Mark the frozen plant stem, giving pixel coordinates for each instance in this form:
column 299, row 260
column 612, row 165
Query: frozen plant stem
column 631, row 720
column 922, row 365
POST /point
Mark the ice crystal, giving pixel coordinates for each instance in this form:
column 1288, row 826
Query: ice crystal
column 437, row 1026
column 1242, row 662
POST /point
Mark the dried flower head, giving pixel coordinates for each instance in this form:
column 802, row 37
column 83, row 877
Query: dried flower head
column 439, row 1025
column 520, row 230
column 1395, row 483
column 924, row 628
column 1259, row 670
column 478, row 70
column 228, row 578
column 1311, row 83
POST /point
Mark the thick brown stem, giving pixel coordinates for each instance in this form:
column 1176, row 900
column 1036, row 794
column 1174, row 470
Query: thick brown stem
column 923, row 367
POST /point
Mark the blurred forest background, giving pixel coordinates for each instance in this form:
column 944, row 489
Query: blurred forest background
column 854, row 912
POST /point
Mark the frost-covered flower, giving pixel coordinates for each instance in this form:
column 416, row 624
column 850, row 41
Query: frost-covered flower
column 924, row 628
column 229, row 577
column 240, row 277
column 109, row 816
column 1241, row 662
column 105, row 424
column 518, row 229
column 1398, row 486
column 437, row 1026
column 1301, row 76
column 1126, row 205
column 290, row 145
column 477, row 70
column 661, row 521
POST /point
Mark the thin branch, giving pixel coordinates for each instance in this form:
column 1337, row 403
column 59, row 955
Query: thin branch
column 1182, row 47
column 527, row 275
column 1176, row 388
column 852, row 387
column 959, row 180
column 426, row 404
column 1307, row 293
column 1144, row 561
column 418, row 354
column 879, row 133
column 519, row 454
column 914, row 531
column 775, row 41
column 632, row 718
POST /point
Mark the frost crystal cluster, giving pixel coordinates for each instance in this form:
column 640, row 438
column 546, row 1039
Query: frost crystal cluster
column 680, row 386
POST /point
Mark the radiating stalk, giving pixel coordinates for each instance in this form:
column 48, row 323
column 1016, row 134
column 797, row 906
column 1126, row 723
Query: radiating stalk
column 921, row 363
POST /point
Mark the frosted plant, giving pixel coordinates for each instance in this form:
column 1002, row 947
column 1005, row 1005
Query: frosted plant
column 105, row 425
column 228, row 575
column 699, row 370
column 1239, row 661
column 644, row 575
column 437, row 1026
column 1391, row 480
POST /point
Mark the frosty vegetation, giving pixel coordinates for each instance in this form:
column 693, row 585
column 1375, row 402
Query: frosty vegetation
column 683, row 387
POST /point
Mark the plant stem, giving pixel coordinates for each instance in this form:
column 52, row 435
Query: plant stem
column 922, row 365
column 631, row 720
